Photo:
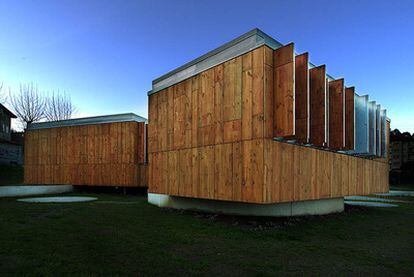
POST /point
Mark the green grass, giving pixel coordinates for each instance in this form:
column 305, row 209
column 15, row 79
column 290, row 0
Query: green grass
column 135, row 238
column 11, row 175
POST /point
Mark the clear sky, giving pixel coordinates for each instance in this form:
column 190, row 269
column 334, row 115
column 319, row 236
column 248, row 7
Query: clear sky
column 106, row 53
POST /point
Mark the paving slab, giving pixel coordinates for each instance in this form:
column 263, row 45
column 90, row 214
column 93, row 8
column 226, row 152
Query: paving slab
column 370, row 204
column 62, row 199
column 397, row 193
column 375, row 199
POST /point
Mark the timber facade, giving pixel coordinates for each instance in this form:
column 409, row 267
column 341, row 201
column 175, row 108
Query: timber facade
column 253, row 122
column 99, row 151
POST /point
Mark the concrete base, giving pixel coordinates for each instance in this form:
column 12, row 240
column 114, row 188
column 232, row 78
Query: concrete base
column 13, row 191
column 314, row 207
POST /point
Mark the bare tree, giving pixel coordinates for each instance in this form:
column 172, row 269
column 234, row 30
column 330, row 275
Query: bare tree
column 59, row 107
column 3, row 97
column 28, row 104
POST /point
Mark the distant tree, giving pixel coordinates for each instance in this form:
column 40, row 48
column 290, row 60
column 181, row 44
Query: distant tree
column 59, row 107
column 28, row 104
column 406, row 136
column 395, row 135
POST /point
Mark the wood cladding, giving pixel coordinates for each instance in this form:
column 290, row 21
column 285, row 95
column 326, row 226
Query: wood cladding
column 264, row 171
column 318, row 109
column 302, row 98
column 211, row 136
column 336, row 114
column 284, row 91
column 350, row 118
column 110, row 154
column 221, row 105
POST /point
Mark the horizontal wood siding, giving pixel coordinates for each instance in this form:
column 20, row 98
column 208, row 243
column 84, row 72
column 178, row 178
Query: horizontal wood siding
column 111, row 154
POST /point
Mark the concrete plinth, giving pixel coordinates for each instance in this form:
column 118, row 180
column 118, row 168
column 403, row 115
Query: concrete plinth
column 314, row 207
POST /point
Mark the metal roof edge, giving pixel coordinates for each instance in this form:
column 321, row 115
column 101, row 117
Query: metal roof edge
column 234, row 48
column 242, row 44
column 125, row 117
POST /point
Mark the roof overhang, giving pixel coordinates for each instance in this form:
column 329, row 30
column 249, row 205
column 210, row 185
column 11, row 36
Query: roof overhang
column 238, row 46
column 126, row 117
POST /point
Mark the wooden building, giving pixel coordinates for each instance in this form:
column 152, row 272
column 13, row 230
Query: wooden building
column 253, row 122
column 95, row 151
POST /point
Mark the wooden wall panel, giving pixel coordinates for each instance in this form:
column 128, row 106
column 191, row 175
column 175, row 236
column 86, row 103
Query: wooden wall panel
column 110, row 154
column 350, row 118
column 299, row 173
column 302, row 98
column 284, row 91
column 317, row 94
column 336, row 114
column 230, row 153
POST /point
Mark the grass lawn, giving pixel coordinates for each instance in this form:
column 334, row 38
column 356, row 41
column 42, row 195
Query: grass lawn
column 11, row 175
column 123, row 235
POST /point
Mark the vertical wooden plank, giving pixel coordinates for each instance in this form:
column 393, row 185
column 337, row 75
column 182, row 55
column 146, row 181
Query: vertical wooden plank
column 252, row 190
column 206, row 107
column 237, row 169
column 284, row 91
column 195, row 121
column 269, row 182
column 258, row 92
column 317, row 82
column 172, row 172
column 187, row 112
column 302, row 98
column 350, row 118
column 287, row 164
column 218, row 103
column 152, row 122
column 268, row 93
column 224, row 171
column 195, row 171
column 247, row 96
column 232, row 100
column 206, row 188
column 179, row 116
column 162, row 121
column 352, row 185
column 170, row 118
column 336, row 114
column 185, row 176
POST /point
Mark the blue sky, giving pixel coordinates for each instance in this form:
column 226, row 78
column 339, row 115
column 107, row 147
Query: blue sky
column 106, row 53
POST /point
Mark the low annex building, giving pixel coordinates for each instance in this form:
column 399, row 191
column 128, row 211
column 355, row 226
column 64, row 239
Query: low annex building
column 252, row 126
column 93, row 151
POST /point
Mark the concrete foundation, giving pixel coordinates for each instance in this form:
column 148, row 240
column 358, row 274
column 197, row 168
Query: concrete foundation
column 314, row 207
column 13, row 191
